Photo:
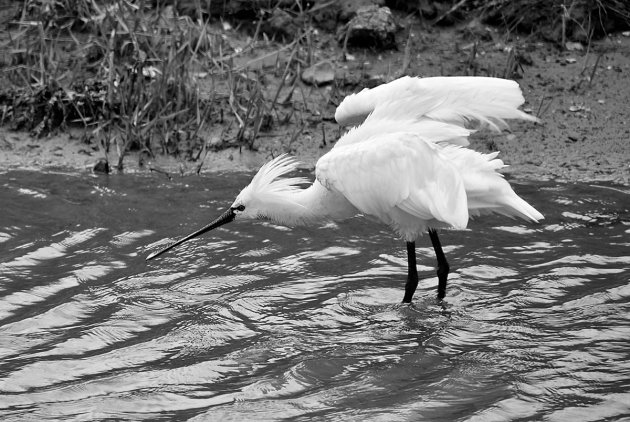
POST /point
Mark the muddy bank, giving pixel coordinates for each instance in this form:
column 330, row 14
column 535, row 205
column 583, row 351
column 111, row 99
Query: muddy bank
column 584, row 133
column 580, row 95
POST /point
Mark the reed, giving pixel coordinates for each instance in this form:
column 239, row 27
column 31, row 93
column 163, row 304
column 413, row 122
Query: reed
column 139, row 76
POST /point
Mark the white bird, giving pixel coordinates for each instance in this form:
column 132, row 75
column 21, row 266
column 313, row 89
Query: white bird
column 405, row 165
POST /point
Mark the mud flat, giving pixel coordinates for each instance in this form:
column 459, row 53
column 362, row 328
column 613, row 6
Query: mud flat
column 580, row 95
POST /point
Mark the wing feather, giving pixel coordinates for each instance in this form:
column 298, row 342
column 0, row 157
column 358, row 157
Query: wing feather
column 441, row 109
column 394, row 173
column 451, row 99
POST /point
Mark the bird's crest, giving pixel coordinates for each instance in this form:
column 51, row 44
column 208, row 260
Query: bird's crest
column 268, row 185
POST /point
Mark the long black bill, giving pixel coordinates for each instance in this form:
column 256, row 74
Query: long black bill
column 226, row 217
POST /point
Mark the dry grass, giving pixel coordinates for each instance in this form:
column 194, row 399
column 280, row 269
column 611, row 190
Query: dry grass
column 143, row 78
column 137, row 75
column 558, row 20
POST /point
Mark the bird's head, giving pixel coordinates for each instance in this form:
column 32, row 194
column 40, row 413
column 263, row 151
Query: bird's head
column 268, row 193
column 268, row 196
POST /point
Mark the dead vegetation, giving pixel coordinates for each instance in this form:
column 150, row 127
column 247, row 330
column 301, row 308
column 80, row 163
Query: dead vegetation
column 141, row 77
column 199, row 75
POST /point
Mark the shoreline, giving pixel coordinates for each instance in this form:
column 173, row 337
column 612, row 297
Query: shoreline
column 59, row 153
column 581, row 98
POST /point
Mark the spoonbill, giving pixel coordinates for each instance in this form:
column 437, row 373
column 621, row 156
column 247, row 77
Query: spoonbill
column 404, row 163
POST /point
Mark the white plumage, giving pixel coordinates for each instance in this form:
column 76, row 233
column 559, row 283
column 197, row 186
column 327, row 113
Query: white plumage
column 405, row 164
column 450, row 99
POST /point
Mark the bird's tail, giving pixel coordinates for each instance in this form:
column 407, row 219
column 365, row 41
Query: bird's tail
column 486, row 190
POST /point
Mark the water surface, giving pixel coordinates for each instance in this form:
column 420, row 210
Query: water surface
column 260, row 322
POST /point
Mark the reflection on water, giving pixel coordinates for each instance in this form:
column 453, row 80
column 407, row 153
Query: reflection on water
column 258, row 322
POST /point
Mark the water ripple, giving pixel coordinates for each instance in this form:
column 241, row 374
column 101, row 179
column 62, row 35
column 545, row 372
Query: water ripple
column 261, row 322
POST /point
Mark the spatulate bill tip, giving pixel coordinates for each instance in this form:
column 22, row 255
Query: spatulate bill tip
column 154, row 254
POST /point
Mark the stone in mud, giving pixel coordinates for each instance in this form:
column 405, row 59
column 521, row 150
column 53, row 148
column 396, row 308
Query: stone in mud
column 348, row 8
column 281, row 24
column 319, row 74
column 373, row 26
column 328, row 14
column 101, row 167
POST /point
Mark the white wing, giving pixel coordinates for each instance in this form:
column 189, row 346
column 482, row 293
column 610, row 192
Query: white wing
column 401, row 179
column 401, row 116
column 456, row 100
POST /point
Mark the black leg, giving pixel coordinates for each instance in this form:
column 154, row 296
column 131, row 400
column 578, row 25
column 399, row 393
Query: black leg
column 442, row 270
column 412, row 272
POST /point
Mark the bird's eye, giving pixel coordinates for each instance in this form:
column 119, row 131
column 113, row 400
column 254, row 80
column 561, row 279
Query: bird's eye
column 240, row 208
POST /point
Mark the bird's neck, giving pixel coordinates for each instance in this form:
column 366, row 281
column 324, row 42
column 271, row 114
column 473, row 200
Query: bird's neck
column 311, row 205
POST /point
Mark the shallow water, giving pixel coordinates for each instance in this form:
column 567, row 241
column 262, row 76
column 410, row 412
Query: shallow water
column 260, row 322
